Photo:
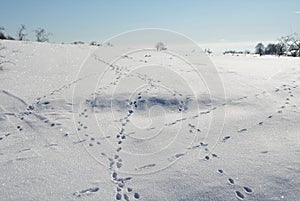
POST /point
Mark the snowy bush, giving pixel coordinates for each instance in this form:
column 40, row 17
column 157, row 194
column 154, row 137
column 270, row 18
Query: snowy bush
column 160, row 46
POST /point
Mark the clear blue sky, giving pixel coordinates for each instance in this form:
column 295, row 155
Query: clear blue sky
column 205, row 21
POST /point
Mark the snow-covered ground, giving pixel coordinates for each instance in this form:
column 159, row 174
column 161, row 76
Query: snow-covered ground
column 78, row 124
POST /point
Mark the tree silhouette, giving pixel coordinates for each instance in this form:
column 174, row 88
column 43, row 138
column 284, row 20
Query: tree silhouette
column 21, row 32
column 41, row 35
column 2, row 36
column 260, row 49
column 160, row 46
column 271, row 49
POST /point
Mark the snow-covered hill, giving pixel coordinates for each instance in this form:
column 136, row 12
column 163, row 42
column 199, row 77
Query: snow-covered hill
column 79, row 122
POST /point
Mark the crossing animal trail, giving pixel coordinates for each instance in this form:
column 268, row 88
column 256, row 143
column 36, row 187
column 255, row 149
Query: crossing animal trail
column 116, row 162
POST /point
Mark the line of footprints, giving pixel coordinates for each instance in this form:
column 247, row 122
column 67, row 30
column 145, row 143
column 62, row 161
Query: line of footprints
column 123, row 191
column 284, row 88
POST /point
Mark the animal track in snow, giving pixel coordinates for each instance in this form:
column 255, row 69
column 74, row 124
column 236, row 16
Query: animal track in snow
column 230, row 181
column 126, row 198
column 118, row 196
column 146, row 166
column 86, row 191
column 19, row 128
column 193, row 128
column 179, row 155
column 242, row 130
column 226, row 138
column 136, row 195
column 206, row 158
column 119, row 165
column 247, row 189
column 239, row 195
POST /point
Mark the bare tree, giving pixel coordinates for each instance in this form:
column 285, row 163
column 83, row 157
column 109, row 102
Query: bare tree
column 160, row 46
column 41, row 35
column 291, row 43
column 21, row 32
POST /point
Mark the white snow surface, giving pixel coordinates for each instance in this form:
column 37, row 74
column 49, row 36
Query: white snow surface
column 74, row 126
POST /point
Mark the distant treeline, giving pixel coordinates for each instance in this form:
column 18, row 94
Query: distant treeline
column 287, row 45
column 237, row 52
column 41, row 35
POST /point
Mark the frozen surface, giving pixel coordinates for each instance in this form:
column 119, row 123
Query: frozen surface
column 74, row 127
